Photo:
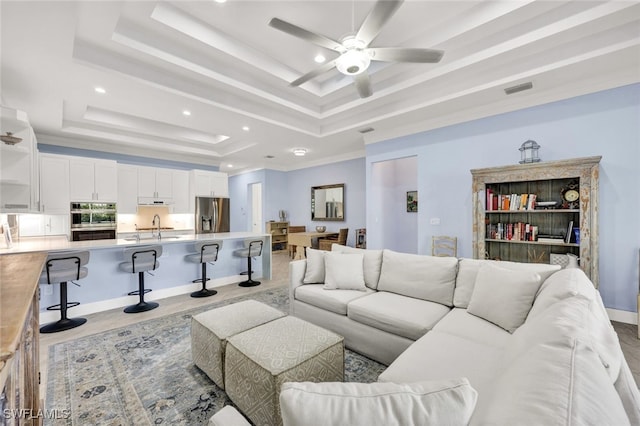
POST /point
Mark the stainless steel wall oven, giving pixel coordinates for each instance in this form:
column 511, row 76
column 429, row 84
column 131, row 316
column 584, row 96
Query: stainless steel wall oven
column 93, row 221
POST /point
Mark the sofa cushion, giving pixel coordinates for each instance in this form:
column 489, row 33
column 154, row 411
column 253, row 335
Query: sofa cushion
column 333, row 301
column 503, row 297
column 397, row 314
column 561, row 285
column 344, row 271
column 423, row 277
column 372, row 263
column 314, row 273
column 462, row 324
column 446, row 402
column 468, row 270
column 556, row 383
column 438, row 356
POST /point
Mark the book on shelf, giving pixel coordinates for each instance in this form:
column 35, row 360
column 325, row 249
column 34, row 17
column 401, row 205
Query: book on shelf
column 509, row 202
column 551, row 239
column 519, row 231
column 567, row 238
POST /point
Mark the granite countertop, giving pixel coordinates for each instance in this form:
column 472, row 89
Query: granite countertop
column 58, row 243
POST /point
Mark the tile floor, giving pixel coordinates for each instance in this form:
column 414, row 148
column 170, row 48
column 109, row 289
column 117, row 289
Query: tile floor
column 102, row 321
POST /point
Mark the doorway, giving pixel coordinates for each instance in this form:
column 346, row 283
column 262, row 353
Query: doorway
column 255, row 202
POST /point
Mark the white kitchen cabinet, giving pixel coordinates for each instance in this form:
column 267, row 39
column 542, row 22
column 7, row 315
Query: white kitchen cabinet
column 180, row 181
column 127, row 189
column 155, row 182
column 54, row 184
column 93, row 180
column 18, row 164
column 209, row 184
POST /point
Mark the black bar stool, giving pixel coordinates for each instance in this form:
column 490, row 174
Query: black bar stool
column 61, row 268
column 207, row 252
column 253, row 248
column 142, row 259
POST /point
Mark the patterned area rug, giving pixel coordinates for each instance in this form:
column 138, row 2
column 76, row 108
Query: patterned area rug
column 143, row 374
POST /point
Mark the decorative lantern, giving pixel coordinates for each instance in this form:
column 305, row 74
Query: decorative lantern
column 529, row 152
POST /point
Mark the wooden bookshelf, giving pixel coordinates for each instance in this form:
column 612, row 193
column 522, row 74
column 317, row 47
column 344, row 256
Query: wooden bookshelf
column 279, row 235
column 546, row 180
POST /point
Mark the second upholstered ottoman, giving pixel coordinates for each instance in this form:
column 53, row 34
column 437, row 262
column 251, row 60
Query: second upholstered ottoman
column 210, row 331
column 260, row 360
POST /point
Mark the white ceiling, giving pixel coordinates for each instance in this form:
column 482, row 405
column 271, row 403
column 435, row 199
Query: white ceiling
column 226, row 65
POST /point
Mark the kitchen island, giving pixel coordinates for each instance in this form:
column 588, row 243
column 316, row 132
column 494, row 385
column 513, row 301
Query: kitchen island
column 106, row 286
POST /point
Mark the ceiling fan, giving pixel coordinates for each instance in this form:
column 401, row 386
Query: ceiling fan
column 355, row 53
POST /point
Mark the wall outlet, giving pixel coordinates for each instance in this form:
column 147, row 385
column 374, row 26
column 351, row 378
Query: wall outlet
column 47, row 290
column 435, row 221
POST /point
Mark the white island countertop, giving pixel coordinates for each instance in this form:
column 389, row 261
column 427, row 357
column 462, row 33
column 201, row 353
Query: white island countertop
column 61, row 242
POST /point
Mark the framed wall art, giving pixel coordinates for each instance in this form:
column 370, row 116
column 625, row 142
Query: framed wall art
column 412, row 201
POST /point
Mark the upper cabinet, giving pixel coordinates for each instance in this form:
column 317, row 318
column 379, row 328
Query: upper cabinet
column 18, row 163
column 54, row 184
column 154, row 182
column 180, row 181
column 93, row 180
column 209, row 184
column 127, row 189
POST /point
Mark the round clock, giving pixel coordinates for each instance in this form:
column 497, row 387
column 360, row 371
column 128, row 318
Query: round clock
column 571, row 195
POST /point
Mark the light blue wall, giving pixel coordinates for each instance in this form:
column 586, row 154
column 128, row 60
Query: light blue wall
column 276, row 195
column 605, row 123
column 122, row 158
column 240, row 200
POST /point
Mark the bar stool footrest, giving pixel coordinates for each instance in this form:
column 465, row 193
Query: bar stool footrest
column 137, row 292
column 58, row 306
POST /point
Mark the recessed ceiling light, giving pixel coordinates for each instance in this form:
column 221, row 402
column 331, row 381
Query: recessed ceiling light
column 186, row 112
column 100, row 90
column 229, row 165
column 299, row 152
column 245, row 128
column 220, row 1
column 319, row 58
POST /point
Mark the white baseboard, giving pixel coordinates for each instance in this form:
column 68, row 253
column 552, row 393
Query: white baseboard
column 119, row 302
column 622, row 316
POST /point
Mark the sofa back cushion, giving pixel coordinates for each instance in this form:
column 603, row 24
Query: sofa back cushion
column 445, row 402
column 468, row 270
column 423, row 277
column 372, row 263
column 555, row 383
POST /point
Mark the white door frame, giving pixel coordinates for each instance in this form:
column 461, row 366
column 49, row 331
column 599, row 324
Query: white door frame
column 255, row 197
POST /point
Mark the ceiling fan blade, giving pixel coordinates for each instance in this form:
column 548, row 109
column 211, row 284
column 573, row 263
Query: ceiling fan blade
column 375, row 20
column 405, row 54
column 313, row 74
column 309, row 36
column 363, row 84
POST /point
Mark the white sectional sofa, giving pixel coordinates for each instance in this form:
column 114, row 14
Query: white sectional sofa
column 533, row 341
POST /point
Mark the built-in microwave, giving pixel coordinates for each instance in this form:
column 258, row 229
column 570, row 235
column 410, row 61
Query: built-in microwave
column 93, row 221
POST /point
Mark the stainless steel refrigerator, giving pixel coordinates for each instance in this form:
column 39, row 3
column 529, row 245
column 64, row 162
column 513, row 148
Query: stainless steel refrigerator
column 212, row 215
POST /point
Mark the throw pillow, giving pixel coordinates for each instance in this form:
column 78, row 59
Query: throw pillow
column 444, row 402
column 503, row 297
column 315, row 267
column 344, row 271
column 372, row 263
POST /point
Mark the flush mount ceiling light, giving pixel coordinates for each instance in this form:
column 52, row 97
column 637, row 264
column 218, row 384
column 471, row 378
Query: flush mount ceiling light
column 186, row 112
column 100, row 90
column 299, row 152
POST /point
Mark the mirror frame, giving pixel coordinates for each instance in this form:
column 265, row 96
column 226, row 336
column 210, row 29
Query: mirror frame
column 313, row 203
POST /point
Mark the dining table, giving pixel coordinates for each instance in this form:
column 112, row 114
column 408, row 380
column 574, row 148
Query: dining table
column 305, row 239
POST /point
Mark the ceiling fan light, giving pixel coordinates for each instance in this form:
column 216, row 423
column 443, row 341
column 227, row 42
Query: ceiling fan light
column 353, row 62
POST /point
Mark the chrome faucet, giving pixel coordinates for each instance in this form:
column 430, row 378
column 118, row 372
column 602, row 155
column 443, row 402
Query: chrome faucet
column 137, row 233
column 156, row 216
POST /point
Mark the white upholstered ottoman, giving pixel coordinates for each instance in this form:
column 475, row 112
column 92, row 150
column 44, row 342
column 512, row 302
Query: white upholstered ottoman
column 210, row 331
column 260, row 360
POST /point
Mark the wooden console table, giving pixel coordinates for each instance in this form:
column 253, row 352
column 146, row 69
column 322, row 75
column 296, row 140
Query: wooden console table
column 19, row 335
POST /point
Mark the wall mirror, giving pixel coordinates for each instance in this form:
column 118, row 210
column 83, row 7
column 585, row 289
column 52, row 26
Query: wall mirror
column 327, row 202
